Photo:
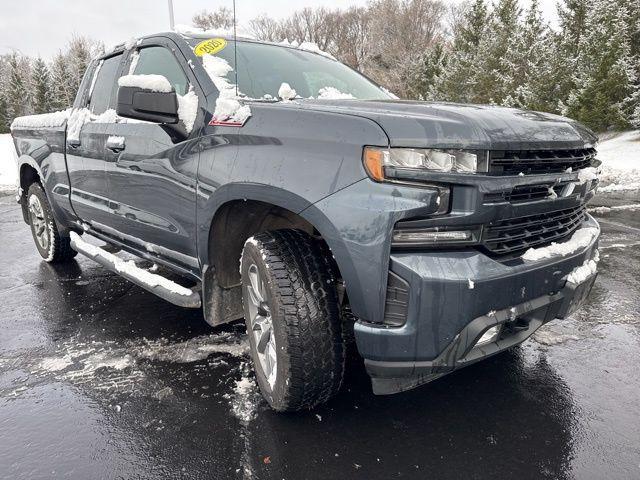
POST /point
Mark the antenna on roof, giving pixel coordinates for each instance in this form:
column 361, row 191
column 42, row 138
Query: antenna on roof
column 235, row 46
column 171, row 20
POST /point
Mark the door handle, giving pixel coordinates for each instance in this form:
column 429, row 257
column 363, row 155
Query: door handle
column 115, row 144
column 74, row 144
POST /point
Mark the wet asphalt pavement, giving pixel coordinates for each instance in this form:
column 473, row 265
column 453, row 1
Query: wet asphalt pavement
column 99, row 379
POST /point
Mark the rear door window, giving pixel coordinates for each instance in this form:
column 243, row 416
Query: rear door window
column 160, row 61
column 104, row 85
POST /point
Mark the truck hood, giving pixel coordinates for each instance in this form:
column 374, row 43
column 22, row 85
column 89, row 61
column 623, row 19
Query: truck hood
column 451, row 125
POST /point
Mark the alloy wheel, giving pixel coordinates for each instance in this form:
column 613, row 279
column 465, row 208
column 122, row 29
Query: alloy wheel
column 261, row 324
column 39, row 222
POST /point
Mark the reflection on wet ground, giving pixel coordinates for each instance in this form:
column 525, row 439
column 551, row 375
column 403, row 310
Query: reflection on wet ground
column 99, row 379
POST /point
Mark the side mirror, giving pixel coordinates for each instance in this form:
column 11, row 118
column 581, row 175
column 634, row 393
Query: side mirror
column 148, row 105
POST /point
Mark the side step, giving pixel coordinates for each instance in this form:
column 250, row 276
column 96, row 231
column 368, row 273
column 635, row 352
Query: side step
column 156, row 284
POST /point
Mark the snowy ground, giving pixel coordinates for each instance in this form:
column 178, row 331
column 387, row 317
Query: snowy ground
column 620, row 155
column 8, row 168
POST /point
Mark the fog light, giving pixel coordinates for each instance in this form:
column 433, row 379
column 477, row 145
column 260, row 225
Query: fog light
column 489, row 336
column 430, row 236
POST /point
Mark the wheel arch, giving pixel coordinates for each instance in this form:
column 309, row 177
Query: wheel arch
column 238, row 211
column 29, row 172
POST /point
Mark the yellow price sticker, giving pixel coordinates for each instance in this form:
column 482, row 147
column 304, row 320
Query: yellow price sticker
column 210, row 47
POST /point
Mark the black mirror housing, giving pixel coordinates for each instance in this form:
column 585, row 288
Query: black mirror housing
column 141, row 104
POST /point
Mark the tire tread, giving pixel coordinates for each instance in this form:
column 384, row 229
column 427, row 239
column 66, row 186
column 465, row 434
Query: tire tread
column 302, row 269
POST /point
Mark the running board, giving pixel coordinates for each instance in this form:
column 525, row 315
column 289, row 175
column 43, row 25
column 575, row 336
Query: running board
column 156, row 284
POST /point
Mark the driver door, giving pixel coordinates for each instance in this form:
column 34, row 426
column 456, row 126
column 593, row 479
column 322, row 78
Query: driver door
column 151, row 176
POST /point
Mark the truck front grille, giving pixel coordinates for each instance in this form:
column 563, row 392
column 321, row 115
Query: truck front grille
column 518, row 234
column 532, row 162
column 527, row 193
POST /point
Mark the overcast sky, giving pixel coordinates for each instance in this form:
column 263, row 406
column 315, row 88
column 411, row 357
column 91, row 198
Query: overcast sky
column 41, row 27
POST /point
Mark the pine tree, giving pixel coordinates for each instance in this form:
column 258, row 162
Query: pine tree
column 631, row 106
column 531, row 83
column 61, row 81
column 605, row 73
column 566, row 58
column 496, row 53
column 17, row 91
column 429, row 68
column 4, row 115
column 41, row 87
column 457, row 82
column 78, row 58
column 4, row 123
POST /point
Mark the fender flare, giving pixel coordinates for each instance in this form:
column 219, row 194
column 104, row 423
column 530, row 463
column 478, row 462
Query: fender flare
column 27, row 160
column 22, row 161
column 283, row 199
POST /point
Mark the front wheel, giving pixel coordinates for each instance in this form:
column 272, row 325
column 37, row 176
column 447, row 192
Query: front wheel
column 52, row 246
column 293, row 320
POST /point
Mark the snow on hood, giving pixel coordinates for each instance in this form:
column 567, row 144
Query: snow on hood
column 228, row 107
column 152, row 82
column 285, row 92
column 332, row 93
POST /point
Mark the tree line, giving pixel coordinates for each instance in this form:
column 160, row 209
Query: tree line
column 33, row 85
column 587, row 66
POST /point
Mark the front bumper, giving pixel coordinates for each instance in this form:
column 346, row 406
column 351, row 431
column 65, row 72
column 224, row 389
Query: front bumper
column 454, row 297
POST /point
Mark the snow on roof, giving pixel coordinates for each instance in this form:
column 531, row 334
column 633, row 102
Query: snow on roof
column 129, row 44
column 152, row 82
column 307, row 47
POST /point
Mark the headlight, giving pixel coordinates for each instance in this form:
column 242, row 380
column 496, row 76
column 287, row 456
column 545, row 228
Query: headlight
column 381, row 162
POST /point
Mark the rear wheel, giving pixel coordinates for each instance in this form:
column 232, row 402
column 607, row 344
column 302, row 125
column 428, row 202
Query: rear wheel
column 293, row 319
column 52, row 246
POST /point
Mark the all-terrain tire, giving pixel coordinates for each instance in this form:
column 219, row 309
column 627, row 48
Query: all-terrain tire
column 298, row 286
column 52, row 246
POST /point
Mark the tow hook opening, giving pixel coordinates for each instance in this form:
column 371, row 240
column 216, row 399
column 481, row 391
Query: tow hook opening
column 490, row 335
column 503, row 331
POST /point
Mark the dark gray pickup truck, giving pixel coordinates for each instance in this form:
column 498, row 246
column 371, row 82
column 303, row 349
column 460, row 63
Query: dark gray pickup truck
column 273, row 183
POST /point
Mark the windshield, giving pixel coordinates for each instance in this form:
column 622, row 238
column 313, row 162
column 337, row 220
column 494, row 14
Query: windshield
column 264, row 68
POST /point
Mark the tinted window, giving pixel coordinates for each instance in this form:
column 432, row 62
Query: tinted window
column 103, row 86
column 160, row 61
